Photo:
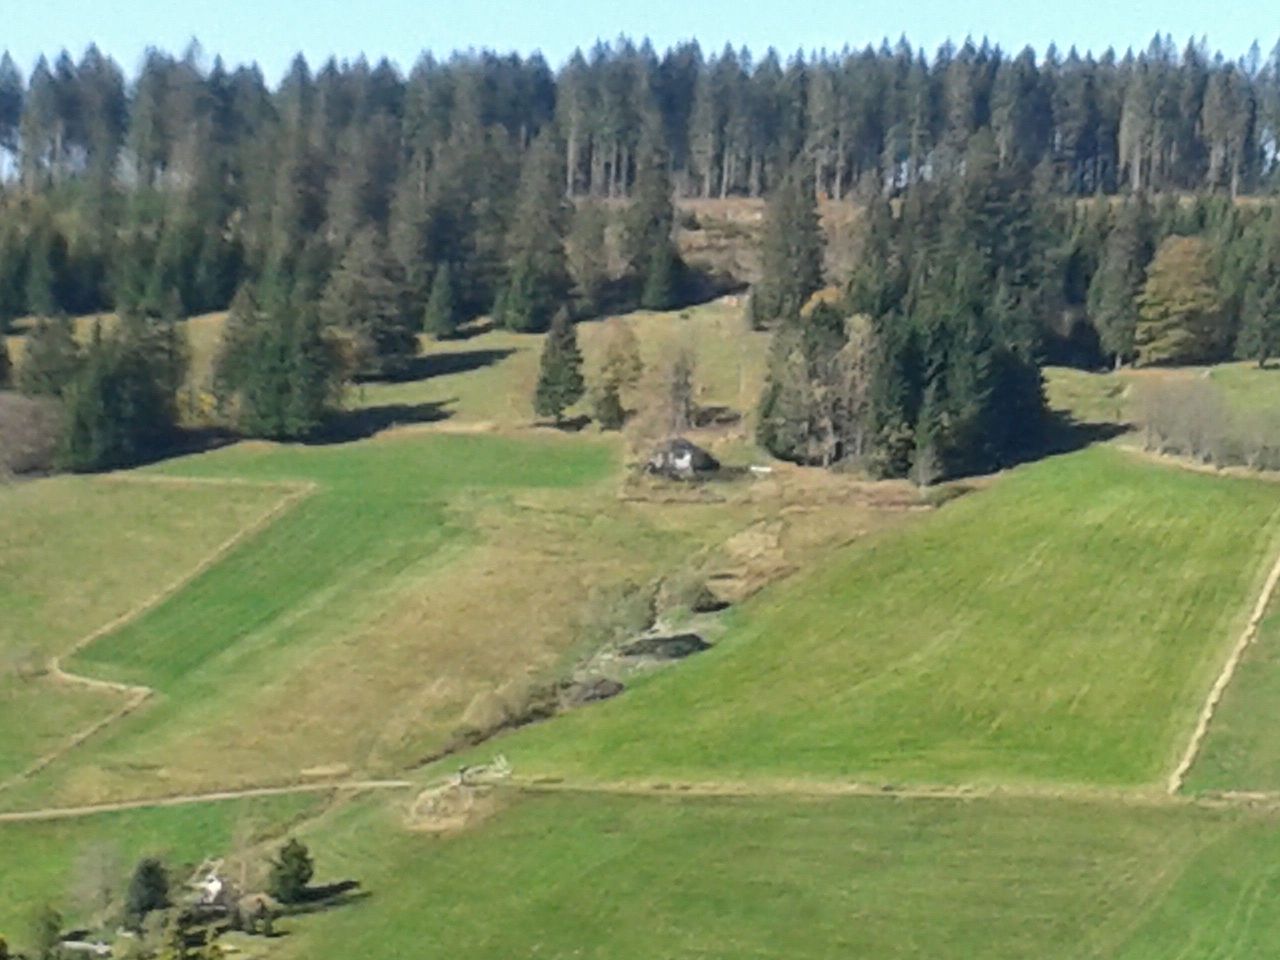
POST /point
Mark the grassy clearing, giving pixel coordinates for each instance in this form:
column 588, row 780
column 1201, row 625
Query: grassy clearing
column 490, row 377
column 1062, row 626
column 616, row 877
column 39, row 862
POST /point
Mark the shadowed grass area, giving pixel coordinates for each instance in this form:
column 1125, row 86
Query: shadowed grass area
column 1064, row 625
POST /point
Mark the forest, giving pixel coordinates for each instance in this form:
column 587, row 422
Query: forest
column 1015, row 210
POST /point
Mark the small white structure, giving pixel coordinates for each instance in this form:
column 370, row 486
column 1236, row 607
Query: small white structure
column 680, row 458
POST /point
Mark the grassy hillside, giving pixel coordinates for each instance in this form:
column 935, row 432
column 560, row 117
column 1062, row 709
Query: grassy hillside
column 1062, row 626
column 76, row 553
column 1241, row 751
column 623, row 877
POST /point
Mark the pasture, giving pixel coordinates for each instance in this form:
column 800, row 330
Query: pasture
column 1061, row 627
column 602, row 876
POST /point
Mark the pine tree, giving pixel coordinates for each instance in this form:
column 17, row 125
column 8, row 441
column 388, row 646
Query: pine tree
column 649, row 245
column 441, row 316
column 148, row 891
column 276, row 370
column 607, row 406
column 1117, row 283
column 537, row 277
column 1259, row 337
column 51, row 360
column 121, row 405
column 362, row 300
column 588, row 257
column 560, row 384
column 790, row 254
column 291, row 872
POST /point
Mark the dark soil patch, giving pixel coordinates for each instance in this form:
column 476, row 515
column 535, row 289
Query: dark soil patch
column 675, row 647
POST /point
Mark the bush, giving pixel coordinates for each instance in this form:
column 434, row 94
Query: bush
column 1191, row 418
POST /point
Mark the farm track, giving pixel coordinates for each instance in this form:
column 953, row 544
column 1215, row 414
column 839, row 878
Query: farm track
column 187, row 799
column 135, row 695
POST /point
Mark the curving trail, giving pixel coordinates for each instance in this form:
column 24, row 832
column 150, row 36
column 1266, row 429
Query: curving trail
column 136, row 695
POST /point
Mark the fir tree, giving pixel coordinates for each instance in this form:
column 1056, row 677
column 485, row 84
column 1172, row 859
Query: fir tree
column 1114, row 290
column 537, row 274
column 650, row 221
column 363, row 300
column 441, row 317
column 148, row 891
column 588, row 257
column 607, row 406
column 276, row 370
column 790, row 253
column 560, row 384
column 291, row 872
column 51, row 359
column 1259, row 337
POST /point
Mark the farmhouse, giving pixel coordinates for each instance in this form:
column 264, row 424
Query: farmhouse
column 680, row 458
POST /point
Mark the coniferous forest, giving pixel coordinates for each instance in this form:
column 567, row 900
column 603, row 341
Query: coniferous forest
column 1016, row 209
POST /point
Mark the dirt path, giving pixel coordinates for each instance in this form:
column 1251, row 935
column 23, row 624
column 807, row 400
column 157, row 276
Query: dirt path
column 135, row 696
column 69, row 813
column 806, row 789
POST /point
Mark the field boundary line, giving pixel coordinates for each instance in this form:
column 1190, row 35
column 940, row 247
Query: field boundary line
column 816, row 790
column 1210, row 708
column 136, row 695
column 188, row 799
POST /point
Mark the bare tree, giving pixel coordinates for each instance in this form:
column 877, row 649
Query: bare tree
column 30, row 432
column 97, row 878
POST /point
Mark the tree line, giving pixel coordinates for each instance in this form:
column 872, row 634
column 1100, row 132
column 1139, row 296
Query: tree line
column 187, row 180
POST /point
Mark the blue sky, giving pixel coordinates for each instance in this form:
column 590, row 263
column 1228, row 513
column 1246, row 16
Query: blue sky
column 271, row 31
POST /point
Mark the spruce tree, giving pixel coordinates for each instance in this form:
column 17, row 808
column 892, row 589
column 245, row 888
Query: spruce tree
column 51, row 359
column 363, row 300
column 291, row 872
column 277, row 371
column 560, row 384
column 148, row 891
column 1259, row 337
column 121, row 406
column 790, row 253
column 537, row 274
column 588, row 257
column 441, row 316
column 1113, row 292
column 650, row 221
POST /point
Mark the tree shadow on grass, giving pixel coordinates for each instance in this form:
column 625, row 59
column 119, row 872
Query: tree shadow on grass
column 442, row 364
column 350, row 425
